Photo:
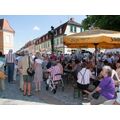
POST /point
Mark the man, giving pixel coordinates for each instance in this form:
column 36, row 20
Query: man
column 10, row 59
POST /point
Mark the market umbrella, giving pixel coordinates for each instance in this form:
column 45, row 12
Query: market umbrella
column 94, row 39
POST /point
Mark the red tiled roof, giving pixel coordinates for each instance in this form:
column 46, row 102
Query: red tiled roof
column 72, row 22
column 4, row 25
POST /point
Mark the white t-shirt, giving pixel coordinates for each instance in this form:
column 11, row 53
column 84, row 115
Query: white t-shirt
column 116, row 75
column 84, row 76
column 39, row 61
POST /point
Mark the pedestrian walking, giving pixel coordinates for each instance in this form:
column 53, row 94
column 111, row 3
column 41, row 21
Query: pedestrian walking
column 10, row 59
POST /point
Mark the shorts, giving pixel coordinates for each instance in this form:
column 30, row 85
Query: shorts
column 27, row 78
column 82, row 87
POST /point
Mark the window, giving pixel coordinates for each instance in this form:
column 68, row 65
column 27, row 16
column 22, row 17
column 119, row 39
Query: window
column 7, row 38
column 61, row 41
column 54, row 41
column 46, row 37
column 39, row 47
column 81, row 29
column 56, row 33
column 60, row 31
column 48, row 44
column 44, row 45
column 39, row 40
column 71, row 28
column 57, row 42
column 43, row 38
column 75, row 30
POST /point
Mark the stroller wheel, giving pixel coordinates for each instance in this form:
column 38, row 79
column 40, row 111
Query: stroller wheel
column 56, row 87
column 47, row 87
column 54, row 91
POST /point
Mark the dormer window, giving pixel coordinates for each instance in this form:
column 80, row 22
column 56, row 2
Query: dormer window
column 43, row 38
column 55, row 32
column 39, row 40
column 60, row 31
column 73, row 29
column 46, row 36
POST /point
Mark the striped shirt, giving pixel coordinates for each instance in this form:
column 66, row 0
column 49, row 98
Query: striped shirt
column 10, row 58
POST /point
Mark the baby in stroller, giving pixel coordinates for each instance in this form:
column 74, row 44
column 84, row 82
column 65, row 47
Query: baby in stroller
column 55, row 77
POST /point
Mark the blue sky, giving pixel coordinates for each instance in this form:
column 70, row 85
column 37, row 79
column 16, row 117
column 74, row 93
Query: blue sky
column 28, row 27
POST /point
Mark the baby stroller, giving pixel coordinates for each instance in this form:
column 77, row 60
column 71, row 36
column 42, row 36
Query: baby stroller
column 53, row 85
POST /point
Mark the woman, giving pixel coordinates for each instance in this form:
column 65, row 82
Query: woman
column 106, row 88
column 118, row 73
column 24, row 64
column 38, row 77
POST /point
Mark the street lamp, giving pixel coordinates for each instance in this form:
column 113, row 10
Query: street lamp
column 52, row 33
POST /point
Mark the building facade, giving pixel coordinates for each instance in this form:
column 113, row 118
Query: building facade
column 43, row 43
column 6, row 36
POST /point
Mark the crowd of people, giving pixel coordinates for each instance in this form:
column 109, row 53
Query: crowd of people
column 81, row 66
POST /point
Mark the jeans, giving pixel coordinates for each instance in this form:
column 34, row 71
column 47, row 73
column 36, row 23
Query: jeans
column 10, row 71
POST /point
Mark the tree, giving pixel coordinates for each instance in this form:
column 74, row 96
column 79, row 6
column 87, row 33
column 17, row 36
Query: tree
column 108, row 22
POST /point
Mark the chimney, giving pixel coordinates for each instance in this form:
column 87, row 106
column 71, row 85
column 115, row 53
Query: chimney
column 71, row 19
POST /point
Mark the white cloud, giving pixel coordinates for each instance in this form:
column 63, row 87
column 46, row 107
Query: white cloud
column 36, row 28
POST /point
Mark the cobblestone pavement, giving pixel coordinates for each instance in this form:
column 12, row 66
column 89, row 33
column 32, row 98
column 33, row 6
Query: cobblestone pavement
column 12, row 95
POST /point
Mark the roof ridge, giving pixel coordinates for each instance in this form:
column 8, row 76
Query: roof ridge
column 4, row 24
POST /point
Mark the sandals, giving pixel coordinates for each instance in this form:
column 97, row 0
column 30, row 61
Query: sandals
column 29, row 95
column 24, row 94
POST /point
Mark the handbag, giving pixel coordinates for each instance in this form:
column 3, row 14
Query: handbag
column 2, row 75
column 30, row 70
column 96, row 95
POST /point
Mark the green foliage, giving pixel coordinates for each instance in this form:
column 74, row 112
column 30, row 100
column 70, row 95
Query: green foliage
column 108, row 22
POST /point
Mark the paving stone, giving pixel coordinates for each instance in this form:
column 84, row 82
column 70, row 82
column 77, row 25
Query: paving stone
column 12, row 95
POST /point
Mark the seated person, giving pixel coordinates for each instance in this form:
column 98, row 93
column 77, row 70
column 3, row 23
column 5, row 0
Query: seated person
column 114, row 101
column 84, row 76
column 106, row 88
